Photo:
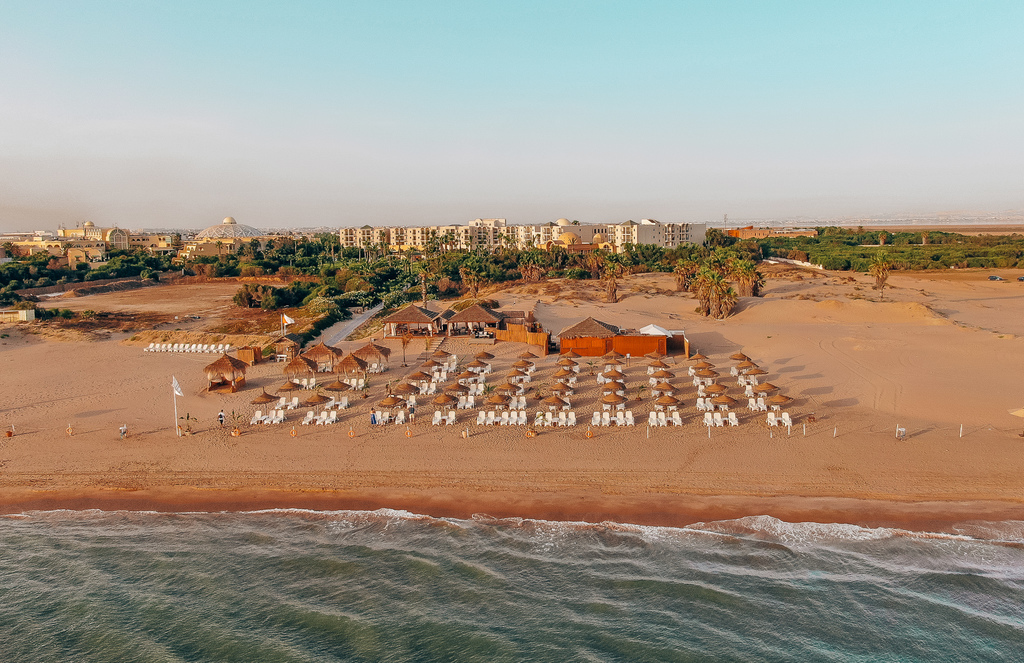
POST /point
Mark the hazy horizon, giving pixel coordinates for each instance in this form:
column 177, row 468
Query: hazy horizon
column 340, row 114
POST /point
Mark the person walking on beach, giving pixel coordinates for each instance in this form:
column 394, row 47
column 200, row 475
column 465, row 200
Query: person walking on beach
column 124, row 431
column 412, row 413
column 220, row 418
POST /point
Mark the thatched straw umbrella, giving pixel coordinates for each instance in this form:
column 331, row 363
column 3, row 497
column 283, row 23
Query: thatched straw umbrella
column 289, row 386
column 499, row 400
column 663, row 375
column 392, row 401
column 467, row 375
column 613, row 375
column 657, row 363
column 613, row 399
column 571, row 355
column 739, row 356
column 316, row 400
column 612, row 355
column 667, row 401
column 613, row 362
column 483, row 355
column 565, row 361
column 715, row 389
column 476, row 363
column 746, row 363
column 406, row 389
column 419, row 376
column 264, row 398
column 560, row 388
column 756, row 371
column 778, row 400
column 563, row 373
column 703, row 364
column 664, row 388
column 612, row 387
column 299, row 367
column 507, row 388
column 351, row 364
column 706, row 373
column 522, row 364
column 444, row 400
column 440, row 354
column 228, row 370
column 430, row 363
column 724, row 402
column 456, row 388
column 554, row 402
column 515, row 373
column 657, row 356
column 697, row 356
column 527, row 355
column 336, row 386
column 765, row 388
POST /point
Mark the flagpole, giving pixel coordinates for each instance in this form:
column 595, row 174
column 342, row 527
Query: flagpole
column 177, row 430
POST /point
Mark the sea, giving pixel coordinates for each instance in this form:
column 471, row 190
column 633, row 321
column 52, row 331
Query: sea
column 291, row 585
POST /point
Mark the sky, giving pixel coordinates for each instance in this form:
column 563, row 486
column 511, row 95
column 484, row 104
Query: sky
column 177, row 114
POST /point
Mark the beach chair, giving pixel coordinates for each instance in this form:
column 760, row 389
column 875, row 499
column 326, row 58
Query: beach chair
column 549, row 419
column 562, row 419
column 708, row 421
column 400, row 418
column 320, row 419
column 451, row 418
column 150, row 348
column 330, row 404
column 503, row 420
column 620, row 418
column 691, row 370
column 279, row 417
column 662, row 420
column 748, row 392
column 734, row 371
column 195, row 347
column 596, row 419
column 481, row 418
column 786, row 420
column 652, row 419
column 752, row 404
column 309, row 418
column 256, row 418
column 606, row 419
column 761, row 405
column 538, row 419
column 471, row 401
column 462, row 403
column 490, row 418
column 629, row 418
column 718, row 419
column 343, row 405
column 733, row 421
column 437, row 418
column 570, row 419
column 772, row 421
column 332, row 417
column 677, row 420
column 294, row 403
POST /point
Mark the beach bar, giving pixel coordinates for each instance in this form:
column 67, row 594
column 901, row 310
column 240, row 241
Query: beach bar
column 593, row 338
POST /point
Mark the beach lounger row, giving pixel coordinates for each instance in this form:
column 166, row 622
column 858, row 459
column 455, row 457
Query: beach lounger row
column 325, row 418
column 757, row 405
column 440, row 418
column 186, row 347
column 466, row 403
column 271, row 417
column 305, row 383
column 380, row 418
column 550, row 419
column 621, row 418
column 782, row 420
column 664, row 418
column 505, row 418
column 715, row 419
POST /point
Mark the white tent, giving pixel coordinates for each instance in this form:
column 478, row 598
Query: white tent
column 655, row 330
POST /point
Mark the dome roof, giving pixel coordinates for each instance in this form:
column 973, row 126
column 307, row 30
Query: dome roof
column 88, row 224
column 563, row 222
column 600, row 238
column 229, row 228
column 569, row 238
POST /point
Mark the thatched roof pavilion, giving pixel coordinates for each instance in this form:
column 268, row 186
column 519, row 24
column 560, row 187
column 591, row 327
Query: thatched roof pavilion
column 373, row 353
column 300, row 366
column 226, row 370
column 411, row 319
column 324, row 356
column 589, row 327
column 351, row 364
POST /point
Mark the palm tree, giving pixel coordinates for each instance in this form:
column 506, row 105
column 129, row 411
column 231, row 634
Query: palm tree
column 612, row 271
column 715, row 297
column 880, row 268
column 684, row 273
column 406, row 339
column 749, row 279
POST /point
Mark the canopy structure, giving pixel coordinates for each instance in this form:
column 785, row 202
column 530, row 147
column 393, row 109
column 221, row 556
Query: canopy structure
column 507, row 388
column 554, row 402
column 613, row 375
column 522, row 363
column 667, row 401
column 497, row 399
column 474, row 317
column 664, row 387
column 226, row 370
column 440, row 354
column 703, row 364
column 612, row 355
column 372, row 353
column 317, row 400
column 527, row 355
column 324, row 356
column 697, row 356
column 657, row 363
column 419, row 376
column 571, row 354
column 289, row 386
column 565, row 361
column 300, row 366
column 739, row 356
column 412, row 319
column 351, row 364
column 655, row 330
column 589, row 327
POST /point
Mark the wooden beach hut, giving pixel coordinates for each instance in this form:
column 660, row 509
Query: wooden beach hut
column 226, row 371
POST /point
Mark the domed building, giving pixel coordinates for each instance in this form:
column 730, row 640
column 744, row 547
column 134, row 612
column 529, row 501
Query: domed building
column 563, row 222
column 228, row 229
column 568, row 238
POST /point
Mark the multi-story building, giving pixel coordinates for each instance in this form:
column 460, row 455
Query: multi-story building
column 491, row 234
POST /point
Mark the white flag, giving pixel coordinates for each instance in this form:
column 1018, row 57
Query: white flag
column 176, row 386
column 287, row 320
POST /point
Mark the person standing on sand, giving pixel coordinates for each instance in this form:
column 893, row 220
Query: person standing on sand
column 412, row 413
column 220, row 418
column 124, row 431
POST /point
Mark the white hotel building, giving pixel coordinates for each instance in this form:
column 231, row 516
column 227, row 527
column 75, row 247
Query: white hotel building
column 494, row 233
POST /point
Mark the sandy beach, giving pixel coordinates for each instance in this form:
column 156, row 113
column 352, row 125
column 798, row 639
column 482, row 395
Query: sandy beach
column 943, row 350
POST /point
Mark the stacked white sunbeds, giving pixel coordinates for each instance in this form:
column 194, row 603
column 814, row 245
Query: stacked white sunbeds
column 189, row 347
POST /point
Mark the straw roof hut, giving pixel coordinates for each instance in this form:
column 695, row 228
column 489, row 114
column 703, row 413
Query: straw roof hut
column 373, row 353
column 475, row 316
column 226, row 370
column 300, row 366
column 323, row 355
column 351, row 364
column 337, row 386
column 589, row 328
column 409, row 319
column 263, row 399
